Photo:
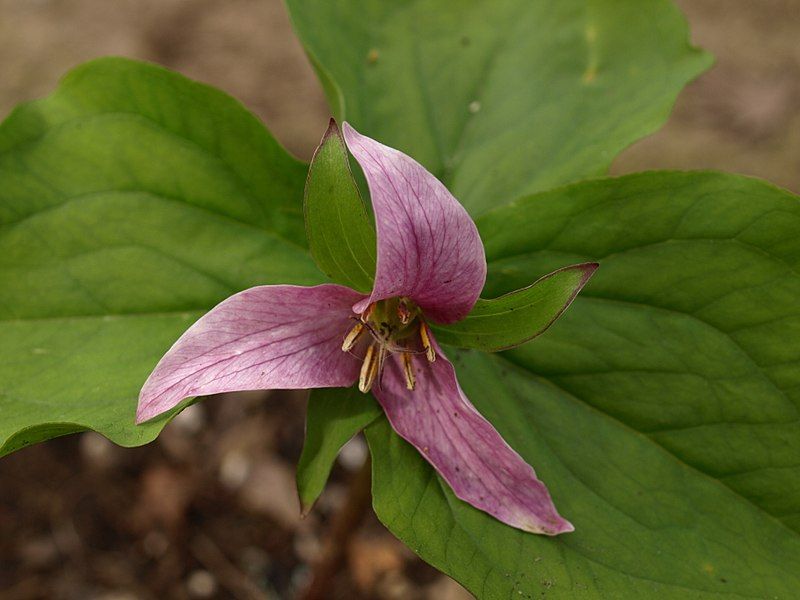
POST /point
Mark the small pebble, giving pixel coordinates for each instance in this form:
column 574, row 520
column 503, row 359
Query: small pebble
column 234, row 470
column 155, row 544
column 307, row 546
column 97, row 450
column 255, row 561
column 201, row 584
column 353, row 454
column 191, row 420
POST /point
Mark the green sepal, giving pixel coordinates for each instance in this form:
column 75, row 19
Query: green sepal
column 519, row 316
column 339, row 230
column 334, row 416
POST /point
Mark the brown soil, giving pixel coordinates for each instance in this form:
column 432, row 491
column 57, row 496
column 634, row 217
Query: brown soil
column 743, row 115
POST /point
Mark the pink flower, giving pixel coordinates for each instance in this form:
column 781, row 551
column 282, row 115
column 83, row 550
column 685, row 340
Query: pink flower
column 430, row 266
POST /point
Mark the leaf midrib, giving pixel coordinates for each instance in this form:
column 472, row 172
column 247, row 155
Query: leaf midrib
column 756, row 367
column 516, row 365
column 621, row 251
column 69, row 199
column 183, row 313
column 478, row 547
column 247, row 191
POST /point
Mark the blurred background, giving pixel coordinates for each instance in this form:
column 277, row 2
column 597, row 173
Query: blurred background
column 209, row 510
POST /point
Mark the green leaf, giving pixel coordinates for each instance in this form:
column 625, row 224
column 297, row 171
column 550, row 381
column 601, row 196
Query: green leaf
column 662, row 410
column 133, row 200
column 499, row 98
column 646, row 526
column 334, row 416
column 518, row 316
column 339, row 230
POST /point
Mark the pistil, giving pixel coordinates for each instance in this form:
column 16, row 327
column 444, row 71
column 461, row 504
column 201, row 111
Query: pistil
column 404, row 312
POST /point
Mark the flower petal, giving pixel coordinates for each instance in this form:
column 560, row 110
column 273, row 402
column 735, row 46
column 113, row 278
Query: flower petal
column 428, row 247
column 272, row 336
column 467, row 451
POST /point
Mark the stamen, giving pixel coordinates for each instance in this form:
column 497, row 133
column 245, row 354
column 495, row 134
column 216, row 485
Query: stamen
column 425, row 336
column 369, row 369
column 368, row 312
column 408, row 369
column 403, row 311
column 352, row 337
column 390, row 324
column 383, row 352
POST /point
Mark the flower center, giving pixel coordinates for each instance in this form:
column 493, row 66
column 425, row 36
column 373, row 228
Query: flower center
column 395, row 325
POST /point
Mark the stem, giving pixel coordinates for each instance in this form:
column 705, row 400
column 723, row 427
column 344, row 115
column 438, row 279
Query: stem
column 343, row 525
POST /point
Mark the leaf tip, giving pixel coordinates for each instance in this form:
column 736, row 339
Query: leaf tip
column 305, row 508
column 586, row 271
column 332, row 131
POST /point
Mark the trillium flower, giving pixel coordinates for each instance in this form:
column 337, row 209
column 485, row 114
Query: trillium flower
column 431, row 268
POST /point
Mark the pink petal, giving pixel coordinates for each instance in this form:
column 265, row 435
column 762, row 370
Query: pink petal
column 272, row 336
column 428, row 247
column 480, row 467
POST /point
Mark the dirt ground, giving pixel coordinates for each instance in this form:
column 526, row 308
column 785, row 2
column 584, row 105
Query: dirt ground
column 208, row 511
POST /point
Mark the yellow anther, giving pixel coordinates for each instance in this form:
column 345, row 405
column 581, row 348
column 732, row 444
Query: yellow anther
column 425, row 336
column 369, row 369
column 391, row 325
column 382, row 354
column 408, row 369
column 352, row 337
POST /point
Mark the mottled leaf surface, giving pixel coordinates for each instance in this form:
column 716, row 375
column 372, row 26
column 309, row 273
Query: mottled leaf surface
column 661, row 409
column 499, row 98
column 132, row 201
